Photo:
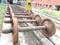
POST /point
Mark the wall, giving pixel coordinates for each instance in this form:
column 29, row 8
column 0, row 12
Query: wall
column 46, row 3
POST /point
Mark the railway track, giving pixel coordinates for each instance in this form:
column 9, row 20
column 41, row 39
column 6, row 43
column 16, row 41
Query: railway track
column 24, row 22
column 57, row 23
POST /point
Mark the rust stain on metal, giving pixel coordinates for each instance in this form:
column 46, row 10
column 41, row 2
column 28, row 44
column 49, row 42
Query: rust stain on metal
column 15, row 31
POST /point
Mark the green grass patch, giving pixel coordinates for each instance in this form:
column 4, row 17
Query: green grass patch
column 2, row 13
column 50, row 12
column 30, row 32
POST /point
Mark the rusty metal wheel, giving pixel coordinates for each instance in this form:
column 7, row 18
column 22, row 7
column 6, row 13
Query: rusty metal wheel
column 15, row 31
column 51, row 29
column 32, row 15
column 12, row 16
column 38, row 19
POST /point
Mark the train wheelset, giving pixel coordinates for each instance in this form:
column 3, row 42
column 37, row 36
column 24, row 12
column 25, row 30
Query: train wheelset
column 46, row 26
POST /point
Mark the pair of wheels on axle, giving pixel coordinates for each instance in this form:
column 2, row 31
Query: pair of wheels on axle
column 50, row 31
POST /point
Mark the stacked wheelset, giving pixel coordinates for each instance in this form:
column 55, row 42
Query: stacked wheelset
column 46, row 26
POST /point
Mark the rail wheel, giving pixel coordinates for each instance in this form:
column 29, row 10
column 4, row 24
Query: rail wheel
column 38, row 18
column 15, row 31
column 51, row 28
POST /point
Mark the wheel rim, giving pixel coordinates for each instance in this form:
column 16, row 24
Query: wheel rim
column 51, row 28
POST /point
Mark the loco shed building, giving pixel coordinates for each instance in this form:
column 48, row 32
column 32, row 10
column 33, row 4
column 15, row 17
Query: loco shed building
column 49, row 4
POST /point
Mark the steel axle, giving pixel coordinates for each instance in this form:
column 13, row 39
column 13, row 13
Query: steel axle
column 21, row 13
column 20, row 16
column 25, row 21
column 22, row 29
